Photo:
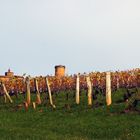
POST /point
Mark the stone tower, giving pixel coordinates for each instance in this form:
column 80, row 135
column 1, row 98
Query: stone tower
column 59, row 71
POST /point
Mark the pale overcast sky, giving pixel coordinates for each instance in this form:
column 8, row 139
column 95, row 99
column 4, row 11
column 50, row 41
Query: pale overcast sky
column 83, row 35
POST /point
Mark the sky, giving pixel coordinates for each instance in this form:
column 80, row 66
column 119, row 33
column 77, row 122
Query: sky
column 83, row 35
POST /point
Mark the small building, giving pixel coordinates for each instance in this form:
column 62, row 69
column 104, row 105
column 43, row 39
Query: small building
column 8, row 75
column 59, row 71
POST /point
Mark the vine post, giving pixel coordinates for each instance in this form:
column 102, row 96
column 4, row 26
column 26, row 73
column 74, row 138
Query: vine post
column 108, row 88
column 6, row 93
column 50, row 94
column 28, row 90
column 89, row 86
column 118, row 84
column 38, row 100
column 77, row 89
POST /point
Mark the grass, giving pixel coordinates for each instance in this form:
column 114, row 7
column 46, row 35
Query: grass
column 69, row 121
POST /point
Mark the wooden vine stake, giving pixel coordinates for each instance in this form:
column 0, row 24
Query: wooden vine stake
column 77, row 89
column 89, row 85
column 28, row 90
column 108, row 88
column 38, row 100
column 34, row 105
column 118, row 85
column 50, row 94
column 6, row 93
